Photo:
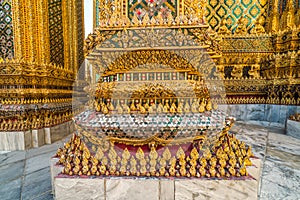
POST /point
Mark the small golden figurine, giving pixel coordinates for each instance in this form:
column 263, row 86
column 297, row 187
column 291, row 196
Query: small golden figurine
column 241, row 27
column 223, row 30
column 173, row 108
column 221, row 171
column 195, row 105
column 119, row 108
column 259, row 26
column 202, row 171
column 212, row 171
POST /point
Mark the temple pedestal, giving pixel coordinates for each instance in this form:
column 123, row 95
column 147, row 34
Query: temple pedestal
column 118, row 188
column 22, row 140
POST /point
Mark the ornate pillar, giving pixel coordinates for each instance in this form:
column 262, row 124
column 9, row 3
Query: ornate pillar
column 31, row 32
column 274, row 25
column 37, row 78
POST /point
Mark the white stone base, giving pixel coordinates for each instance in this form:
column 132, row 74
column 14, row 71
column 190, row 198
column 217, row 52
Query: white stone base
column 10, row 141
column 22, row 140
column 124, row 188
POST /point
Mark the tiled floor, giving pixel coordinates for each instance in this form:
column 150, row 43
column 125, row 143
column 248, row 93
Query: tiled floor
column 26, row 174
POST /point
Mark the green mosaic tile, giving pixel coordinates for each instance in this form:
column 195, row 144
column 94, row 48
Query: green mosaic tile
column 6, row 29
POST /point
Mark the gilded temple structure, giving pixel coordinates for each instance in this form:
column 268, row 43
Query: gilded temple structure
column 159, row 71
column 150, row 98
column 160, row 68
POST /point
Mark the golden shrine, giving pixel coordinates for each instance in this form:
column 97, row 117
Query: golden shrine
column 153, row 111
column 163, row 66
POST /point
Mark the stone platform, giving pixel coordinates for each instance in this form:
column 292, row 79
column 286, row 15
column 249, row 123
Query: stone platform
column 119, row 188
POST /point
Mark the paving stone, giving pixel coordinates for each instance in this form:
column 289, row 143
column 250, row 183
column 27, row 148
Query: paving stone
column 280, row 181
column 36, row 184
column 46, row 196
column 44, row 149
column 11, row 190
column 73, row 188
column 38, row 162
column 11, row 157
column 11, row 171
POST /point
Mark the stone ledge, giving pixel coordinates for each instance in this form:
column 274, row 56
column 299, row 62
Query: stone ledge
column 123, row 188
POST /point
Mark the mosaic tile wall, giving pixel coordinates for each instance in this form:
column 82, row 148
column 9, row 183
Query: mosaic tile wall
column 96, row 18
column 140, row 7
column 56, row 32
column 152, row 7
column 232, row 10
column 6, row 29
